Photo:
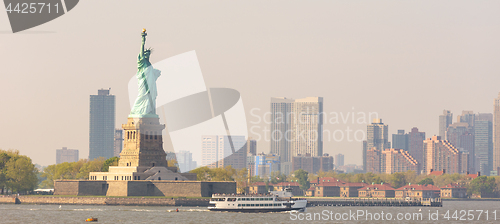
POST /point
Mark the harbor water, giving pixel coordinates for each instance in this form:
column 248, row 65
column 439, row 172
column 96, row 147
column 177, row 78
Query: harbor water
column 451, row 212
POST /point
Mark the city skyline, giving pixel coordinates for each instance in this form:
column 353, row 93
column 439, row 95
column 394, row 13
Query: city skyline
column 347, row 53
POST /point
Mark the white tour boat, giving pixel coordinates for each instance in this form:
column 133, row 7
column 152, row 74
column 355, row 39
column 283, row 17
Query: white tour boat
column 276, row 201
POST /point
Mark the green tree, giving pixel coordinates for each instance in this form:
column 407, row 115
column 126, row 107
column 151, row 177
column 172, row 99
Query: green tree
column 398, row 180
column 95, row 165
column 277, row 177
column 426, row 181
column 241, row 180
column 254, row 179
column 302, row 178
column 482, row 185
column 113, row 161
column 4, row 158
column 202, row 173
column 21, row 174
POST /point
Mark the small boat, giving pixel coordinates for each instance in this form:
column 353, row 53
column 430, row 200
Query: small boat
column 275, row 201
column 91, row 219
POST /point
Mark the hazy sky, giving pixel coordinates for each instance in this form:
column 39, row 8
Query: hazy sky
column 405, row 60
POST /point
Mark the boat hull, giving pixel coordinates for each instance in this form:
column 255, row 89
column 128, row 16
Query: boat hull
column 254, row 210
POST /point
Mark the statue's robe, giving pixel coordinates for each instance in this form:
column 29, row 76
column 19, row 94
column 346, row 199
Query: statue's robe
column 146, row 75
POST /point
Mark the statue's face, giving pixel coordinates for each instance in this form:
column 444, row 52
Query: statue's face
column 147, row 53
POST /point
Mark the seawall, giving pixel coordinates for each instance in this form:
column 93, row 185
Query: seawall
column 104, row 201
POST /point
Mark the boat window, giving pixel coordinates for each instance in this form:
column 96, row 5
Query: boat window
column 231, row 199
column 252, row 199
column 251, row 205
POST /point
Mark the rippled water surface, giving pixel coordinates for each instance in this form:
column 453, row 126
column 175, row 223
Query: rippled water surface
column 155, row 214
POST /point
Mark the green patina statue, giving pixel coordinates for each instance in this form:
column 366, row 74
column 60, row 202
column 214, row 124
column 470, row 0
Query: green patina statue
column 145, row 104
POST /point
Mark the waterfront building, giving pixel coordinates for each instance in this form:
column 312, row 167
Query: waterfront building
column 453, row 190
column 377, row 191
column 418, row 191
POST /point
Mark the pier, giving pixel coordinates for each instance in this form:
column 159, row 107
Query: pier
column 394, row 202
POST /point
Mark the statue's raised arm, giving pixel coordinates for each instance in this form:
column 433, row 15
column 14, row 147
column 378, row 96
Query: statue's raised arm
column 143, row 34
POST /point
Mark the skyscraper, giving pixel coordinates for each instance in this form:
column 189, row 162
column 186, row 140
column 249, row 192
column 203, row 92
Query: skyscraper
column 66, row 155
column 102, row 125
column 483, row 143
column 296, row 128
column 468, row 117
column 444, row 121
column 185, row 161
column 400, row 140
column 281, row 110
column 416, row 145
column 461, row 136
column 252, row 147
column 496, row 133
column 307, row 127
column 339, row 160
column 377, row 136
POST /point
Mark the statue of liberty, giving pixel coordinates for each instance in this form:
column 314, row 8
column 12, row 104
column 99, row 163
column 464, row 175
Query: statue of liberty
column 145, row 104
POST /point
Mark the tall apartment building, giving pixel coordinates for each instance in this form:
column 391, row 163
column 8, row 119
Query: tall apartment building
column 102, row 125
column 262, row 165
column 416, row 145
column 483, row 143
column 461, row 136
column 373, row 161
column 398, row 160
column 223, row 150
column 377, row 136
column 296, row 128
column 444, row 121
column 496, row 133
column 281, row 111
column 441, row 155
column 400, row 140
column 118, row 144
column 468, row 117
column 339, row 160
column 251, row 147
column 313, row 164
column 307, row 127
column 66, row 155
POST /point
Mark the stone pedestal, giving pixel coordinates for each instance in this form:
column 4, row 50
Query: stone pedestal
column 143, row 143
